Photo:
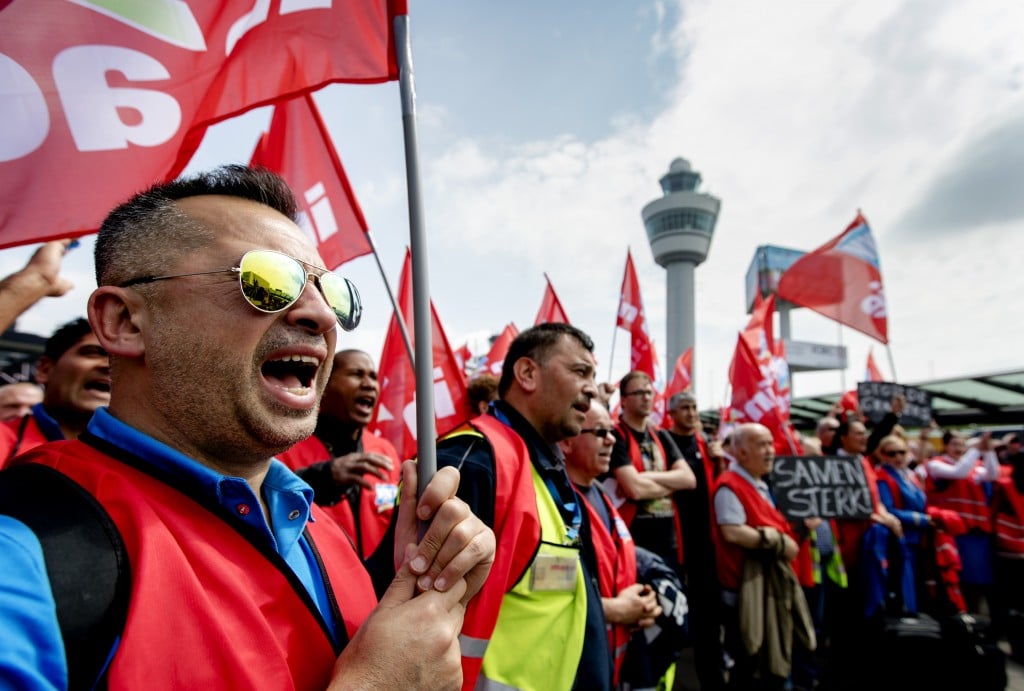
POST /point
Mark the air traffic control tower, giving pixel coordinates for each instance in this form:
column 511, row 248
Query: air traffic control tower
column 679, row 227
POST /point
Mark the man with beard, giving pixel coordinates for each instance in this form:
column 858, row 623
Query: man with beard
column 220, row 318
column 537, row 622
column 75, row 374
column 353, row 475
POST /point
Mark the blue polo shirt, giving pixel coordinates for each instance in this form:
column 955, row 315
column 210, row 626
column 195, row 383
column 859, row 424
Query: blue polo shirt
column 27, row 612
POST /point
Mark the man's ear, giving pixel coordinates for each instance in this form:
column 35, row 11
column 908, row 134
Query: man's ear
column 118, row 316
column 43, row 368
column 526, row 372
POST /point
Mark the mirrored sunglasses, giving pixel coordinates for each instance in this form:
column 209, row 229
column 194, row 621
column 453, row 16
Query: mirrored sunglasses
column 273, row 281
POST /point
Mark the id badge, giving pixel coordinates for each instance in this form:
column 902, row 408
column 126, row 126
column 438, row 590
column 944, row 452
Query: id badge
column 553, row 572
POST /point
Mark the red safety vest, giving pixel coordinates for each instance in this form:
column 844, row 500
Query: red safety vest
column 628, row 510
column 1008, row 515
column 18, row 436
column 759, row 513
column 964, row 496
column 616, row 569
column 517, row 533
column 375, row 505
column 208, row 608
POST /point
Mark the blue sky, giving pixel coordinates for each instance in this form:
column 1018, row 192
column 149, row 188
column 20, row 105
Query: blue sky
column 544, row 127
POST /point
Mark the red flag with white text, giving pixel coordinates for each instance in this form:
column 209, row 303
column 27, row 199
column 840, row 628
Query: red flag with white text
column 395, row 416
column 842, row 280
column 551, row 310
column 100, row 100
column 754, row 398
column 642, row 355
column 499, row 349
column 299, row 148
column 631, row 318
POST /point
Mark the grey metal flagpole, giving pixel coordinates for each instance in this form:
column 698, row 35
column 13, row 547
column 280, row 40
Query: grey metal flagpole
column 426, row 431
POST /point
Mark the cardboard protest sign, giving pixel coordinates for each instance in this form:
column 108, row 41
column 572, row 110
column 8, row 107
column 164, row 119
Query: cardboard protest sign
column 825, row 486
column 875, row 398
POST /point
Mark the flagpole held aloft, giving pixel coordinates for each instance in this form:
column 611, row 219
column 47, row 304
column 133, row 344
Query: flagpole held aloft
column 424, row 356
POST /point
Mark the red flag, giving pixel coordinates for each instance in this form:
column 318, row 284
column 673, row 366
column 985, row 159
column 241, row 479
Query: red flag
column 760, row 331
column 642, row 355
column 551, row 309
column 395, row 417
column 462, row 356
column 842, row 280
column 631, row 318
column 298, row 147
column 679, row 382
column 872, row 373
column 499, row 349
column 681, row 377
column 850, row 400
column 102, row 99
column 754, row 398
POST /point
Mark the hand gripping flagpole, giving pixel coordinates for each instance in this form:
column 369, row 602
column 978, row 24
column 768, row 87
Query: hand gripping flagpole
column 424, row 341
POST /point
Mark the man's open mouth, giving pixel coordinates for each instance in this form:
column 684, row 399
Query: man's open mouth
column 294, row 373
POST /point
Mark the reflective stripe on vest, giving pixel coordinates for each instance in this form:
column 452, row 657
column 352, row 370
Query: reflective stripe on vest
column 539, row 633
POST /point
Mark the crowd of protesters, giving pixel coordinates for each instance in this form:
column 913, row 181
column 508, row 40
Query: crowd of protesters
column 573, row 543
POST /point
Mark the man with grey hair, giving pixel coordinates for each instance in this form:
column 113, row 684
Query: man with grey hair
column 694, row 507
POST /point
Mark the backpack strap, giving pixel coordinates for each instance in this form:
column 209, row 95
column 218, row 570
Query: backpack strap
column 85, row 558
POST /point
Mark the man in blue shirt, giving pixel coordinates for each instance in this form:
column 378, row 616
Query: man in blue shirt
column 220, row 322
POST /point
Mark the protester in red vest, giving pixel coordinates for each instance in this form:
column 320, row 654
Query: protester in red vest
column 961, row 480
column 751, row 528
column 646, row 470
column 354, row 475
column 628, row 605
column 220, row 319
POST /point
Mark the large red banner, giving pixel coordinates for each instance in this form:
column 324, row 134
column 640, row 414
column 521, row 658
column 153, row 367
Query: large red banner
column 298, row 147
column 101, row 99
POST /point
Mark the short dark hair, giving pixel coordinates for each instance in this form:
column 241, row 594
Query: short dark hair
column 535, row 343
column 65, row 337
column 630, row 376
column 146, row 233
column 483, row 388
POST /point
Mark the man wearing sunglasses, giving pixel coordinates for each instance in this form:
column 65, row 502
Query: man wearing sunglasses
column 220, row 323
column 628, row 605
column 537, row 623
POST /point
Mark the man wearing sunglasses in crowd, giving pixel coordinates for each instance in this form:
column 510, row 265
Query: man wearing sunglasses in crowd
column 537, row 623
column 647, row 469
column 220, row 324
column 629, row 606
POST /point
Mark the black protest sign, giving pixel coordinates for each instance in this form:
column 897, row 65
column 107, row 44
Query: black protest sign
column 875, row 400
column 825, row 486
